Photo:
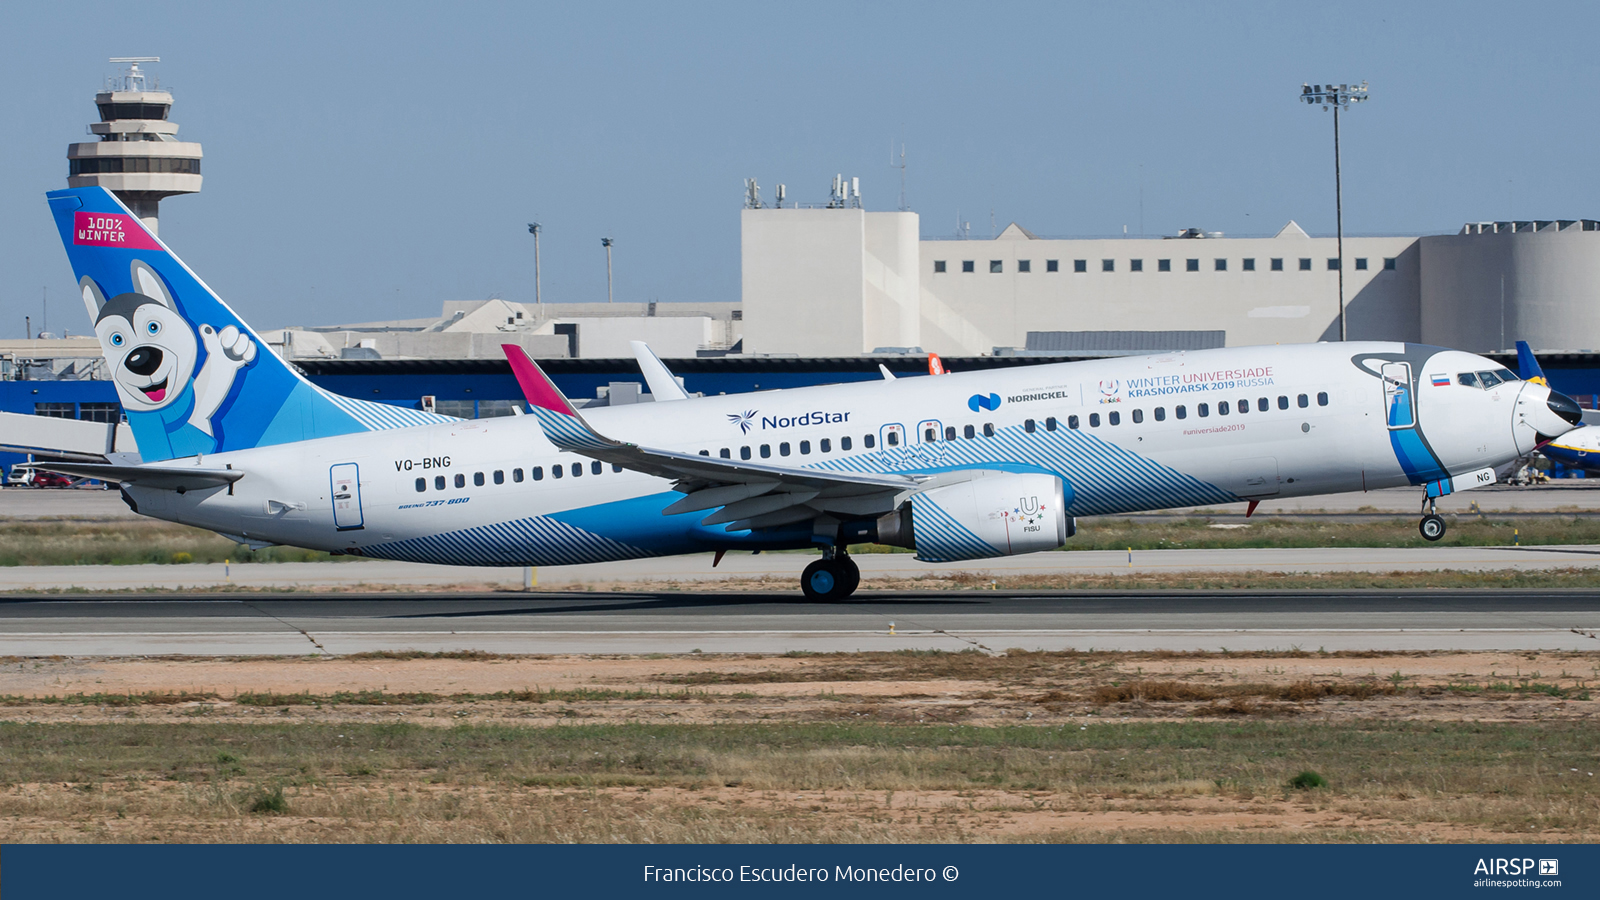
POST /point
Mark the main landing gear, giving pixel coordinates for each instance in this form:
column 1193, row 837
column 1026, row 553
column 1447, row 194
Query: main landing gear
column 832, row 578
column 1432, row 524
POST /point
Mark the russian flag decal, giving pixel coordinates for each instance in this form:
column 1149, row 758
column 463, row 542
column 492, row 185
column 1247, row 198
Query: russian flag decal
column 1440, row 380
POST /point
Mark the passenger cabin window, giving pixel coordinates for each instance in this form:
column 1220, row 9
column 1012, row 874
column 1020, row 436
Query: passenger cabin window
column 825, row 445
column 969, row 432
column 930, row 434
column 1202, row 409
column 1244, row 406
column 1222, row 408
column 577, row 470
column 868, row 441
column 744, row 452
column 1028, row 426
column 766, row 451
column 537, row 472
column 783, row 449
column 422, row 485
column 805, row 448
column 988, row 429
column 1094, row 420
column 1303, row 401
column 1264, row 404
column 844, row 443
column 1050, row 424
column 499, row 476
column 893, row 438
column 950, row 433
column 461, row 480
column 516, row 474
column 1161, row 414
column 1322, row 398
column 438, row 482
column 1138, row 416
column 1283, row 401
column 1114, row 417
column 1072, row 423
column 1181, row 412
column 725, row 453
column 596, row 467
column 477, row 479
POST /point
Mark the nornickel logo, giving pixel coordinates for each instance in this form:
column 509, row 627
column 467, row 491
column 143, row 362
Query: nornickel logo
column 979, row 401
column 743, row 420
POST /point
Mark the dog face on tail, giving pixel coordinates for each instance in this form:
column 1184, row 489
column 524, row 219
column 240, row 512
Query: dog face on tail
column 151, row 349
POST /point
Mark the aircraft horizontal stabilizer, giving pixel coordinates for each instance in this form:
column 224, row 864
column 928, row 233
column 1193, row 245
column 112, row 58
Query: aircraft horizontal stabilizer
column 171, row 478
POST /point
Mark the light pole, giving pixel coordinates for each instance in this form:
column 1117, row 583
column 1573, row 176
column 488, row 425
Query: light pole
column 534, row 229
column 606, row 243
column 1336, row 97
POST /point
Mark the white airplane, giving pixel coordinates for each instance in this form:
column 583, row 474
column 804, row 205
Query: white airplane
column 958, row 467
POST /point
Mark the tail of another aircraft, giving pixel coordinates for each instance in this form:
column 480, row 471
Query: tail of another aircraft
column 192, row 376
column 1528, row 368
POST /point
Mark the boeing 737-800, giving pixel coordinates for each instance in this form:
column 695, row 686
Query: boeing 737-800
column 957, row 467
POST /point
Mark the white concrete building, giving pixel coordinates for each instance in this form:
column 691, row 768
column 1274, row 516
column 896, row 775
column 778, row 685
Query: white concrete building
column 840, row 282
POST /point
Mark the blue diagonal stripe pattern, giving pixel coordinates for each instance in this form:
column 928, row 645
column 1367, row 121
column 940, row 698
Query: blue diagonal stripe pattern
column 382, row 416
column 534, row 541
column 940, row 538
column 565, row 432
column 1103, row 478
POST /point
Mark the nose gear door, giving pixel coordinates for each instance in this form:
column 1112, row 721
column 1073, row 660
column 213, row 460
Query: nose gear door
column 345, row 481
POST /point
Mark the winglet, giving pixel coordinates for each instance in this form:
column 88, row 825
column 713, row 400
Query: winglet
column 656, row 374
column 935, row 364
column 559, row 418
column 1528, row 365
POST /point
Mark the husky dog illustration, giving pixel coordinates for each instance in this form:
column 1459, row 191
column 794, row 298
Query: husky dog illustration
column 153, row 352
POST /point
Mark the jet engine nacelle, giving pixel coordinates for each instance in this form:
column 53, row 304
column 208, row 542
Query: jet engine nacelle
column 1000, row 514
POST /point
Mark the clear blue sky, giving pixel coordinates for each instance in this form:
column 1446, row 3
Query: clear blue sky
column 369, row 160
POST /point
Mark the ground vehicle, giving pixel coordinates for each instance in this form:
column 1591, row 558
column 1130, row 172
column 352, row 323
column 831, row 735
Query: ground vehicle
column 27, row 476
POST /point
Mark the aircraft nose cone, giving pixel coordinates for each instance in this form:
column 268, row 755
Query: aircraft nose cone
column 1565, row 407
column 146, row 360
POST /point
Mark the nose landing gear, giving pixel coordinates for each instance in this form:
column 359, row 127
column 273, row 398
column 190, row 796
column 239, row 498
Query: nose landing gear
column 1432, row 524
column 832, row 578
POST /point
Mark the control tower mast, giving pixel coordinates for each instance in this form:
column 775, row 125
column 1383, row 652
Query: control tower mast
column 138, row 155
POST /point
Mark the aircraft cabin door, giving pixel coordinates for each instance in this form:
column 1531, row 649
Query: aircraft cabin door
column 1399, row 404
column 345, row 481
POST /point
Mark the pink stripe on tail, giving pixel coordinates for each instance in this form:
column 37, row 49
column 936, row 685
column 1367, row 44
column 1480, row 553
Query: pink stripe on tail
column 536, row 386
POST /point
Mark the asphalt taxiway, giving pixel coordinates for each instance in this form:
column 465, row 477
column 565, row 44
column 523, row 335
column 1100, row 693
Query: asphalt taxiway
column 681, row 622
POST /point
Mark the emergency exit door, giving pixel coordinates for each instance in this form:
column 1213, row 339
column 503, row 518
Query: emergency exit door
column 345, row 481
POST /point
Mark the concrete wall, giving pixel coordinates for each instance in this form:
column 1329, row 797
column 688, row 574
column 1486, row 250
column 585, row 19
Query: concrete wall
column 1485, row 292
column 607, row 337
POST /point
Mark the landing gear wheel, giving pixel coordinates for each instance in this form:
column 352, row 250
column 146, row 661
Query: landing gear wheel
column 1432, row 527
column 851, row 573
column 828, row 580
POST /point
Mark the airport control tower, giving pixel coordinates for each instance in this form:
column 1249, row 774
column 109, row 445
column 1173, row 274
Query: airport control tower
column 138, row 155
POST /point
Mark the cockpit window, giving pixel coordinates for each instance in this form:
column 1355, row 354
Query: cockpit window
column 1488, row 379
column 1467, row 379
column 1507, row 376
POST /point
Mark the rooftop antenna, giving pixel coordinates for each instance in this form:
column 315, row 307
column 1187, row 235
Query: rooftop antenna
column 752, row 194
column 901, row 165
column 134, row 78
column 781, row 193
column 855, row 192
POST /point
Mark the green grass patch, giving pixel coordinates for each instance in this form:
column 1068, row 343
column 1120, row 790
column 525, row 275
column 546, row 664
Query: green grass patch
column 131, row 542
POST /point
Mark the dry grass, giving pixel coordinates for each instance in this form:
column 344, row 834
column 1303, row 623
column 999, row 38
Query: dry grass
column 120, row 542
column 786, row 783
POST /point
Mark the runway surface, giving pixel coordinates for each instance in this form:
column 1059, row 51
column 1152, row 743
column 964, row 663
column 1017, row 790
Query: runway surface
column 682, row 622
column 785, row 568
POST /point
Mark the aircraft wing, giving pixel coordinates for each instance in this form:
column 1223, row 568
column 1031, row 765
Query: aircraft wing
column 751, row 495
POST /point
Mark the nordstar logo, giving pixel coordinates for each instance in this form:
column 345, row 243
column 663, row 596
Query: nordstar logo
column 743, row 420
column 979, row 401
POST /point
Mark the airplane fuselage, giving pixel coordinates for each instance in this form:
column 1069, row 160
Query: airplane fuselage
column 1124, row 435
